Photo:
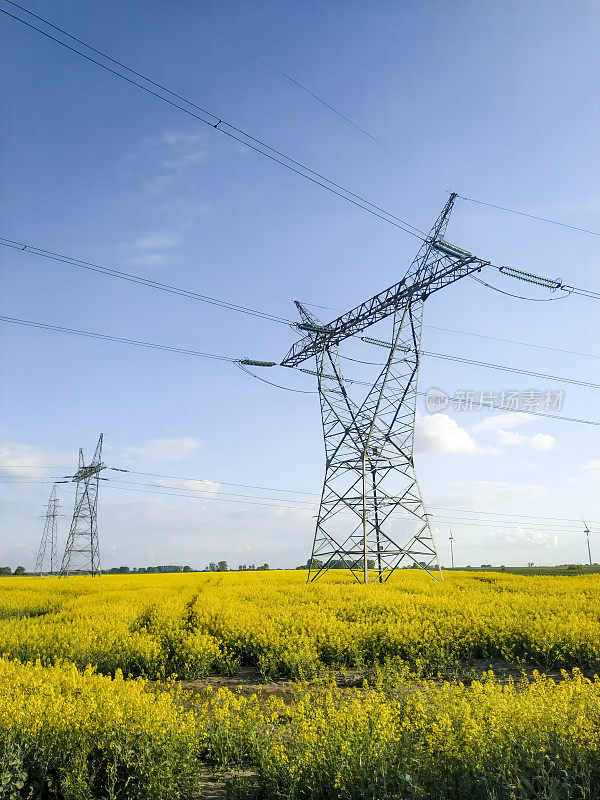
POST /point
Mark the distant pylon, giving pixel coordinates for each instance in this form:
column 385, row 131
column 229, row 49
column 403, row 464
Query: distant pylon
column 48, row 542
column 82, row 551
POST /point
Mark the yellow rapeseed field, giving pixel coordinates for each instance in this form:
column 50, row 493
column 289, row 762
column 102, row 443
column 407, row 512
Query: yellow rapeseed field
column 187, row 625
column 89, row 706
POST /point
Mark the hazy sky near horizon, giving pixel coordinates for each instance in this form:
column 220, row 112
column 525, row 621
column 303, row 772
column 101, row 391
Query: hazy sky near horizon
column 497, row 101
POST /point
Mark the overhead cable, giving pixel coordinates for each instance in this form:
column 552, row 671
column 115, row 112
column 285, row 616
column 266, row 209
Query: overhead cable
column 107, row 337
column 240, row 363
column 218, row 123
column 531, row 216
column 127, row 276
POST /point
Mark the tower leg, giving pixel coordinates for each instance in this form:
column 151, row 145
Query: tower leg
column 372, row 516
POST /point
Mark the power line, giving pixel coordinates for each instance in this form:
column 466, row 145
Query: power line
column 271, row 383
column 218, row 499
column 504, row 514
column 512, row 517
column 121, row 339
column 537, row 280
column 218, row 123
column 518, row 296
column 487, row 365
column 511, row 341
column 207, row 492
column 221, row 483
column 184, row 351
column 126, row 276
column 331, row 108
column 109, row 271
column 531, row 216
column 221, row 125
column 514, row 370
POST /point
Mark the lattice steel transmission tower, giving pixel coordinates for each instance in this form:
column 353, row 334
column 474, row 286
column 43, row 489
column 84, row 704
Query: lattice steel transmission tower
column 48, row 542
column 82, row 551
column 371, row 515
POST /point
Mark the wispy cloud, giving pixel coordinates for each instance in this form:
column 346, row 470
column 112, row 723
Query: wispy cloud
column 206, row 488
column 152, row 247
column 28, row 461
column 502, row 421
column 539, row 441
column 184, row 149
column 593, row 468
column 153, row 240
column 525, row 536
column 164, row 449
column 489, row 494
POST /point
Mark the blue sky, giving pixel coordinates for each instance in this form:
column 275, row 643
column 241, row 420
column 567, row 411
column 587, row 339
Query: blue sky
column 496, row 101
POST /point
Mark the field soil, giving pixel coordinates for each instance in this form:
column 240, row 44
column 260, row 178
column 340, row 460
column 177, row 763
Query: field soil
column 248, row 680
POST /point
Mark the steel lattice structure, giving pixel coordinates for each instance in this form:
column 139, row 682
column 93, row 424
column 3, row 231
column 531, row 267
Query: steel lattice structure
column 371, row 515
column 48, row 542
column 82, row 551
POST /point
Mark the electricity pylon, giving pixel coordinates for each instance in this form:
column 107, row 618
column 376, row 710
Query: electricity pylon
column 371, row 515
column 82, row 551
column 48, row 542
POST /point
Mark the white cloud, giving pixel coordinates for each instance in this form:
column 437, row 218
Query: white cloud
column 488, row 494
column 593, row 467
column 179, row 137
column 525, row 536
column 202, row 487
column 155, row 240
column 167, row 449
column 501, row 421
column 439, row 433
column 152, row 247
column 542, row 441
column 27, row 461
column 539, row 441
column 183, row 149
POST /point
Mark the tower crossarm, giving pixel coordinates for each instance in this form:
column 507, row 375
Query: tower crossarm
column 437, row 265
column 83, row 473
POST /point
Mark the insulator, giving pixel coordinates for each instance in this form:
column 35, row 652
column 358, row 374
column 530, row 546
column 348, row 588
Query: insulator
column 529, row 277
column 319, row 375
column 308, row 326
column 451, row 249
column 249, row 362
column 381, row 343
column 378, row 342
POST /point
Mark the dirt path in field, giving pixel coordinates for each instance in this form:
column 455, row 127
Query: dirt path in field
column 213, row 785
column 248, row 680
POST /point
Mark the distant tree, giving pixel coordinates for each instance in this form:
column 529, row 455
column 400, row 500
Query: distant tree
column 263, row 566
column 20, row 571
column 123, row 570
column 187, row 569
column 222, row 566
column 5, row 570
column 314, row 563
